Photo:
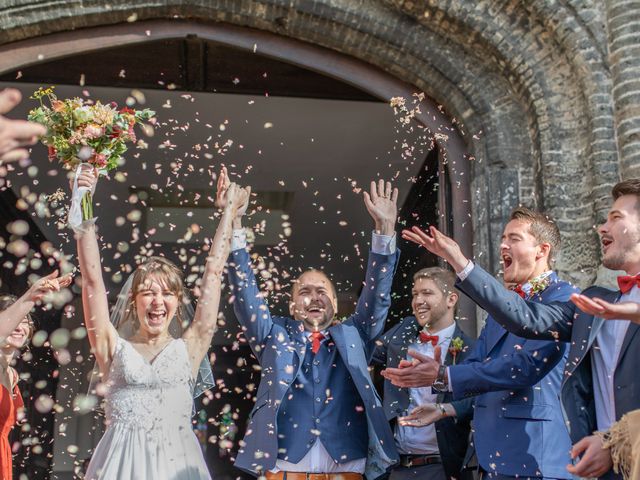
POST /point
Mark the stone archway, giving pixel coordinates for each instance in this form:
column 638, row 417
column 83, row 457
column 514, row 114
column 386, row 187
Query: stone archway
column 528, row 83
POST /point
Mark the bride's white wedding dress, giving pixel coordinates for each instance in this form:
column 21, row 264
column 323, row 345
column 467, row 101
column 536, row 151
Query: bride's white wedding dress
column 148, row 408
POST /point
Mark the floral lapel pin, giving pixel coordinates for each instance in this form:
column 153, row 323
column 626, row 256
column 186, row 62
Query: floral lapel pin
column 455, row 347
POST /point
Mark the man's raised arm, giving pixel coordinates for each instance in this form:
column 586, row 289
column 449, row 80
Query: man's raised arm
column 374, row 301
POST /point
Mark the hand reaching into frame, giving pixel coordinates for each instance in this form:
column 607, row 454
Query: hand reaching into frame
column 15, row 134
column 609, row 311
column 48, row 284
column 382, row 204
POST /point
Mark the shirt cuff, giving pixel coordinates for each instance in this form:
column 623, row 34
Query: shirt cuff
column 383, row 244
column 465, row 271
column 449, row 387
column 238, row 239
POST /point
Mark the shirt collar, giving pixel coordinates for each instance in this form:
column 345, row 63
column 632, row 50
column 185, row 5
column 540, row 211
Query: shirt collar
column 446, row 332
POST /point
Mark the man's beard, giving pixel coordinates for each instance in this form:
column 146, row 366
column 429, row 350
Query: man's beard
column 319, row 324
column 617, row 260
column 614, row 262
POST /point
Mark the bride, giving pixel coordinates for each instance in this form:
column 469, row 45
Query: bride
column 153, row 358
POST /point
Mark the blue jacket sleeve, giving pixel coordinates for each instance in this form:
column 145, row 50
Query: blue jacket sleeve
column 250, row 308
column 527, row 319
column 524, row 367
column 375, row 299
column 379, row 356
column 464, row 409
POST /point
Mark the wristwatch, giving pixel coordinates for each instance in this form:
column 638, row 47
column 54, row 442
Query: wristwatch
column 439, row 385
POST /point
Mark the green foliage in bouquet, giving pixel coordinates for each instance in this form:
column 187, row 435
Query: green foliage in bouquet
column 81, row 131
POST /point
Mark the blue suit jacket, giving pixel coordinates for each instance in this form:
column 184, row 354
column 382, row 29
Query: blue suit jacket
column 279, row 344
column 518, row 424
column 564, row 322
column 452, row 433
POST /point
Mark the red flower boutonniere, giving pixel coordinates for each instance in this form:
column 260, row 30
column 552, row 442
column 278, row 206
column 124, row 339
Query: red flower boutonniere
column 538, row 286
column 455, row 347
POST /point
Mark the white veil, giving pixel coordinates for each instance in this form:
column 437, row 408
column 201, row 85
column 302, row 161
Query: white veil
column 123, row 320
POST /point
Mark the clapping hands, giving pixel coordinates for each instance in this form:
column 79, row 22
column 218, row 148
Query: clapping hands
column 422, row 371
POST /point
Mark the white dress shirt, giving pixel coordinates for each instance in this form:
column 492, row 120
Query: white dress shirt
column 604, row 355
column 317, row 459
column 423, row 440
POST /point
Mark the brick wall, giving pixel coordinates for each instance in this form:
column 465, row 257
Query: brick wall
column 537, row 86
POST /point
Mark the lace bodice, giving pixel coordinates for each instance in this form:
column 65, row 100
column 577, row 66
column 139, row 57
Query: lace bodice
column 149, row 395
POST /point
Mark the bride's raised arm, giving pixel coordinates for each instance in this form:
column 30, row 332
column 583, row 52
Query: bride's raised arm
column 102, row 335
column 199, row 334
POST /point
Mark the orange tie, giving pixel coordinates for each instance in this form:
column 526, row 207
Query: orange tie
column 316, row 339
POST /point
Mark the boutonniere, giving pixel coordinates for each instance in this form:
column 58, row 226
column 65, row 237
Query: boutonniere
column 538, row 286
column 455, row 347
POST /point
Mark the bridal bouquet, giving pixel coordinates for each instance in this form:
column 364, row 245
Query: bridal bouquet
column 85, row 132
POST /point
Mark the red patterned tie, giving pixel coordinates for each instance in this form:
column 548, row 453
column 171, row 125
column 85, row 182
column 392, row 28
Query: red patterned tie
column 425, row 337
column 626, row 282
column 518, row 289
column 316, row 340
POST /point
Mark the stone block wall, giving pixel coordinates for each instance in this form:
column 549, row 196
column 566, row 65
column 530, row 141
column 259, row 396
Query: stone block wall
column 543, row 90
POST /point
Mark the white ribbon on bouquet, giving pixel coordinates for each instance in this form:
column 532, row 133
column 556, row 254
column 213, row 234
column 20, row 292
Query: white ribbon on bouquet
column 75, row 211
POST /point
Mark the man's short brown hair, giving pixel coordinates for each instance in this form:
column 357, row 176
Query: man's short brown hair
column 627, row 187
column 542, row 227
column 443, row 278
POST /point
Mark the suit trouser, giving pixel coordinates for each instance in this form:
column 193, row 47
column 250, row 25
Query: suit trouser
column 434, row 471
column 610, row 475
column 484, row 475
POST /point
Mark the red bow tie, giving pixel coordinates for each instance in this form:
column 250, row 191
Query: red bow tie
column 518, row 289
column 316, row 340
column 425, row 337
column 626, row 282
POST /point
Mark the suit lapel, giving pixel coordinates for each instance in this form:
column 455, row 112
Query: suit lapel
column 631, row 333
column 597, row 322
column 448, row 357
column 296, row 333
column 496, row 333
column 408, row 332
column 448, row 360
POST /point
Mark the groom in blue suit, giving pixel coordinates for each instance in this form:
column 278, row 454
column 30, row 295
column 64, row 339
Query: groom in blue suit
column 518, row 426
column 316, row 410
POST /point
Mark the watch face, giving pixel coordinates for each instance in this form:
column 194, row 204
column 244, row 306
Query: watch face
column 439, row 386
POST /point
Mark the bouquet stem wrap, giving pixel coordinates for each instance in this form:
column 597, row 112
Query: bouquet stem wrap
column 81, row 200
